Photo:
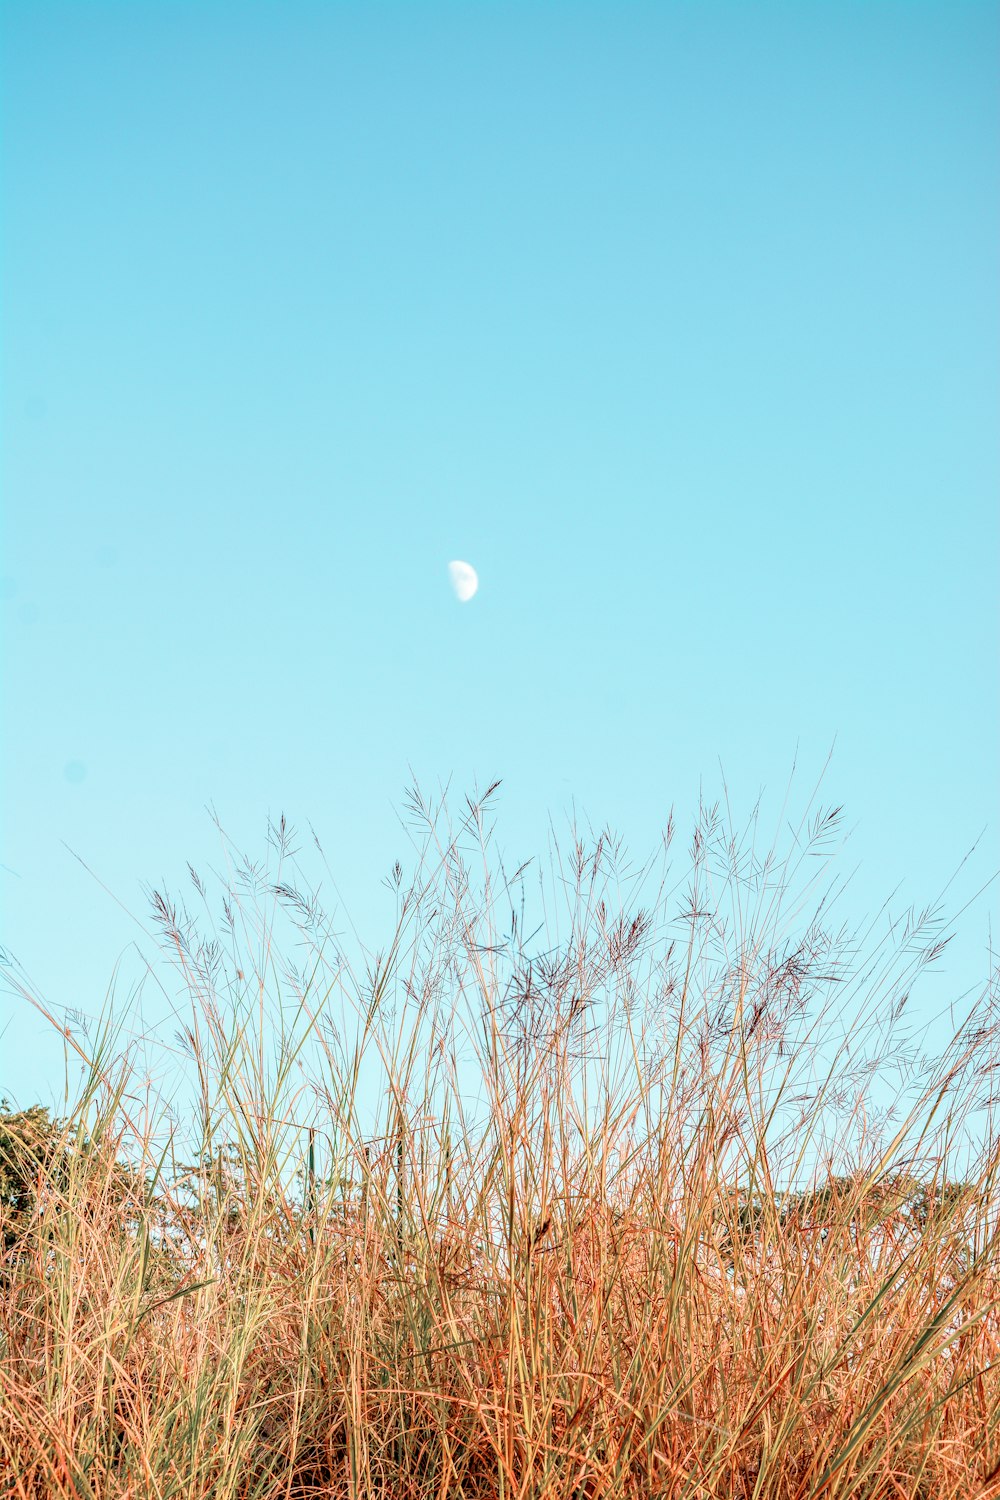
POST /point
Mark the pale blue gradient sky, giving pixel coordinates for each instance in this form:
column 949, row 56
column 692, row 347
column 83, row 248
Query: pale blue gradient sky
column 679, row 321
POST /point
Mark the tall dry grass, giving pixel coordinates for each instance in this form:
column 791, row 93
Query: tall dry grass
column 607, row 1182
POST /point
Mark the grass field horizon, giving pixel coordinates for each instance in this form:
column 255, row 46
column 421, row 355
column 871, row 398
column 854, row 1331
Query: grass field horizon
column 599, row 1179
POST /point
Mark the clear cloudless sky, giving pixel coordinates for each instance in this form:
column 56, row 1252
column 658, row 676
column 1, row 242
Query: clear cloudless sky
column 681, row 322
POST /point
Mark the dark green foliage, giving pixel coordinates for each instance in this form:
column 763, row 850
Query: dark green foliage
column 901, row 1206
column 32, row 1153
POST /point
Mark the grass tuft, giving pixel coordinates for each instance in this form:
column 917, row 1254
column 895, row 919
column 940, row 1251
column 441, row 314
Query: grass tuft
column 616, row 1182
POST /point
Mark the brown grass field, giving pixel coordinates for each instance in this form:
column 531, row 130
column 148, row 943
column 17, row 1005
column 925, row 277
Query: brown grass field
column 598, row 1181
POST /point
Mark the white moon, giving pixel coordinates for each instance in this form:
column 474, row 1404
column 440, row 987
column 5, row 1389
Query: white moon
column 464, row 580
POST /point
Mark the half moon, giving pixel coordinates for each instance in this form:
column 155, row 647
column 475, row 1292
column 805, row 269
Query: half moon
column 464, row 580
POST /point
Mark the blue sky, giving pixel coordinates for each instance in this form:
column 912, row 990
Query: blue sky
column 679, row 322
